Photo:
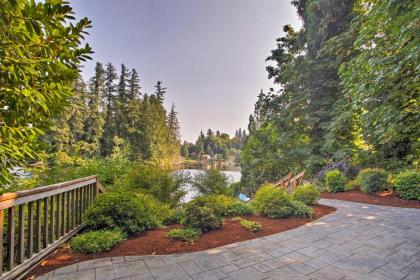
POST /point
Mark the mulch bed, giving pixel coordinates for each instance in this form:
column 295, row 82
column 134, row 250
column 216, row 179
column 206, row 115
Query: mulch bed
column 383, row 198
column 155, row 242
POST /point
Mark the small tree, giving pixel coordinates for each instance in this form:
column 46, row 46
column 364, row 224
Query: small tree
column 210, row 182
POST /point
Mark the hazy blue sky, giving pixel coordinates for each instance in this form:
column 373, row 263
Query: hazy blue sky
column 210, row 54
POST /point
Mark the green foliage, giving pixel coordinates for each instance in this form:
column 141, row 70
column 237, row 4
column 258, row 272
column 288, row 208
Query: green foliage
column 176, row 217
column 335, row 181
column 267, row 197
column 120, row 210
column 372, row 180
column 158, row 182
column 251, row 225
column 351, row 185
column 307, row 194
column 238, row 208
column 407, row 184
column 301, row 210
column 187, row 234
column 211, row 182
column 97, row 241
column 39, row 52
column 382, row 79
column 202, row 213
column 275, row 203
column 235, row 189
column 161, row 211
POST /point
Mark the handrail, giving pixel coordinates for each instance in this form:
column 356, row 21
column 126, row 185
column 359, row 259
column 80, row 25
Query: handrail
column 39, row 220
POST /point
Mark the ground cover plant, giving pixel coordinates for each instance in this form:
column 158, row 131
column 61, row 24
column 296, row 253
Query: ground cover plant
column 184, row 234
column 250, row 225
column 97, row 241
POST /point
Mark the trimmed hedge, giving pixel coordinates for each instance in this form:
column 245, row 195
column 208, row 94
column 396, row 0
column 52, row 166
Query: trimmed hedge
column 407, row 184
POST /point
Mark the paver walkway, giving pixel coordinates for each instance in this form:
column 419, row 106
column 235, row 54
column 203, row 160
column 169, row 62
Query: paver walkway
column 358, row 241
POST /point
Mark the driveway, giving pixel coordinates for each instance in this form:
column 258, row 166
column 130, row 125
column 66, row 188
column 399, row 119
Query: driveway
column 358, row 241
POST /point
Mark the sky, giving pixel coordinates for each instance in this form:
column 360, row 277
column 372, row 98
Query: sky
column 210, row 54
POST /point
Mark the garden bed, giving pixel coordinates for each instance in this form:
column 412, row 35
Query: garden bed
column 383, row 198
column 156, row 242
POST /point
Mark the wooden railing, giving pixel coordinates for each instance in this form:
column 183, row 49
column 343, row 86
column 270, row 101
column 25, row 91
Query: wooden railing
column 289, row 183
column 33, row 223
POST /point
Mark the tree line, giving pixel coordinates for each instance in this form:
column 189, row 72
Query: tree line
column 349, row 91
column 111, row 116
column 215, row 144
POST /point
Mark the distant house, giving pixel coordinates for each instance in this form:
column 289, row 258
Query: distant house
column 206, row 157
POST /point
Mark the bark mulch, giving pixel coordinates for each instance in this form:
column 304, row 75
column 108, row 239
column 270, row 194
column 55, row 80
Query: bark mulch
column 382, row 198
column 156, row 242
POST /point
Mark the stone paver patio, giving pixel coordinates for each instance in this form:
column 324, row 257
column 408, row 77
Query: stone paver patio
column 358, row 241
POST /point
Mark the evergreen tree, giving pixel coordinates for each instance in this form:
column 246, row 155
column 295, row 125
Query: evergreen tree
column 109, row 105
column 94, row 119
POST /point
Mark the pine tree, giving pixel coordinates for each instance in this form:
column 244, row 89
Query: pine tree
column 121, row 104
column 94, row 120
column 109, row 105
column 160, row 92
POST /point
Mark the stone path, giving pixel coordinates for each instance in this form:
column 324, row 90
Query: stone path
column 358, row 241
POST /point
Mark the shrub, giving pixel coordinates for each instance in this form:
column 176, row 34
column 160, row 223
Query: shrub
column 407, row 184
column 275, row 203
column 211, row 182
column 220, row 203
column 335, row 180
column 301, row 210
column 188, row 234
column 351, row 185
column 176, row 217
column 268, row 197
column 250, row 225
column 372, row 180
column 307, row 194
column 201, row 213
column 239, row 208
column 235, row 189
column 161, row 211
column 97, row 241
column 119, row 210
column 157, row 182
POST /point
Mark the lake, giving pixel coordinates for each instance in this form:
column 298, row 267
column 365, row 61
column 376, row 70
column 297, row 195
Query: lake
column 231, row 171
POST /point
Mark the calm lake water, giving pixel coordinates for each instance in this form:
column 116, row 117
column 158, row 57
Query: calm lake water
column 231, row 171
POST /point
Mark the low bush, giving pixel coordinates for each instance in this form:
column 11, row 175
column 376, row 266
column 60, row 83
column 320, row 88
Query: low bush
column 301, row 210
column 120, row 210
column 239, row 208
column 275, row 203
column 307, row 194
column 335, row 181
column 407, row 184
column 202, row 213
column 176, row 217
column 188, row 234
column 351, row 185
column 160, row 210
column 221, row 203
column 372, row 180
column 97, row 241
column 251, row 225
